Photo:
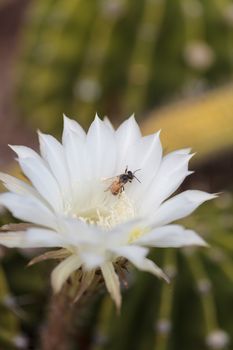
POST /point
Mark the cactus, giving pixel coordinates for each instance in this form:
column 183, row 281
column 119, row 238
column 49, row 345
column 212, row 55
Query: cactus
column 118, row 57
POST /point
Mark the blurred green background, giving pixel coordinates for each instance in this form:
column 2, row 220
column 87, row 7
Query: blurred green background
column 171, row 63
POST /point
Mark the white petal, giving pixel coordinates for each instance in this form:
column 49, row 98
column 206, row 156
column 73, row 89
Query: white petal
column 77, row 157
column 108, row 124
column 38, row 173
column 32, row 238
column 174, row 161
column 43, row 181
column 73, row 126
column 131, row 252
column 121, row 234
column 171, row 236
column 136, row 255
column 148, row 157
column 179, row 206
column 24, row 152
column 180, row 151
column 101, row 146
column 63, row 270
column 18, row 186
column 150, row 266
column 151, row 149
column 28, row 209
column 127, row 135
column 112, row 283
column 90, row 259
column 53, row 153
column 172, row 172
column 78, row 232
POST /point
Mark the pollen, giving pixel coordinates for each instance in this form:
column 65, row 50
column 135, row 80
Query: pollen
column 122, row 210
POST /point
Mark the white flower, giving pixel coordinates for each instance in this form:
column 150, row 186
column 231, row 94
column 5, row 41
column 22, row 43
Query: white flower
column 73, row 209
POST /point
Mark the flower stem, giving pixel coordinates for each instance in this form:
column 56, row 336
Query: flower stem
column 67, row 322
column 57, row 333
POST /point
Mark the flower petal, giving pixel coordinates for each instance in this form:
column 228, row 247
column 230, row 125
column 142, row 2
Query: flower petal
column 136, row 255
column 63, row 270
column 108, row 123
column 32, row 238
column 77, row 157
column 150, row 266
column 35, row 169
column 24, row 152
column 151, row 149
column 74, row 127
column 28, row 209
column 90, row 258
column 179, row 206
column 18, row 186
column 170, row 236
column 147, row 158
column 112, row 282
column 52, row 254
column 53, row 153
column 172, row 172
column 127, row 135
column 101, row 146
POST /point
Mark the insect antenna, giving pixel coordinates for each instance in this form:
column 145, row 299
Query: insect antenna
column 136, row 176
column 136, row 171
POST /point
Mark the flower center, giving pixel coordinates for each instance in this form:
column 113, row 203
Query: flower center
column 121, row 210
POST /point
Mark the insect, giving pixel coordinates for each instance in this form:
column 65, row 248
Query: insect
column 117, row 186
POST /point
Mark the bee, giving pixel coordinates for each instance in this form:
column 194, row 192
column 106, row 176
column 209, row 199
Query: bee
column 117, row 186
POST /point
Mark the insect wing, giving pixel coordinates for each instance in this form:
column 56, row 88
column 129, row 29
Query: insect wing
column 110, row 179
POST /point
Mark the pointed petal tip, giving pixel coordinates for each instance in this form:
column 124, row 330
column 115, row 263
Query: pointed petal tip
column 15, row 149
column 200, row 196
column 65, row 119
column 191, row 155
column 97, row 117
column 202, row 243
column 12, row 147
column 187, row 151
column 166, row 278
column 195, row 240
column 217, row 194
column 118, row 308
column 41, row 135
column 205, row 244
column 131, row 118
